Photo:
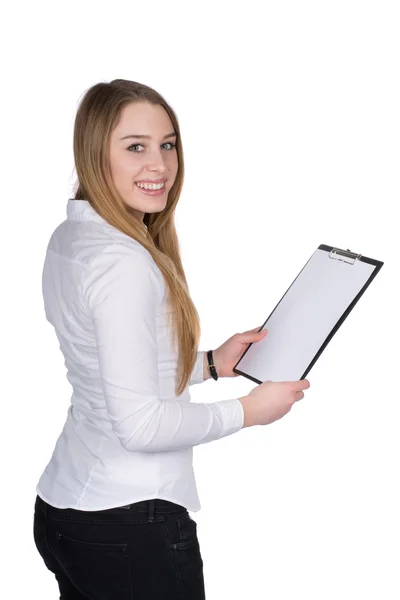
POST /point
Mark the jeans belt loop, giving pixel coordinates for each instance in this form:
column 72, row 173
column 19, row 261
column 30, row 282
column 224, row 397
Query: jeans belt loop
column 150, row 513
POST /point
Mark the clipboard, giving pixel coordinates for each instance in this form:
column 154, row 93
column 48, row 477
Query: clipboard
column 308, row 315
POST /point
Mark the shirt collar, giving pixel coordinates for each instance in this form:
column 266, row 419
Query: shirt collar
column 82, row 210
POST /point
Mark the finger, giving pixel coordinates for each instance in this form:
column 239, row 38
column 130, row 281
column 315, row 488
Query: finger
column 298, row 396
column 256, row 330
column 302, row 384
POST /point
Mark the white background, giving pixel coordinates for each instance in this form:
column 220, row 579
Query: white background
column 290, row 123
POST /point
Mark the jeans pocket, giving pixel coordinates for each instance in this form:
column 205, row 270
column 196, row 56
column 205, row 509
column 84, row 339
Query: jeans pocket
column 185, row 548
column 97, row 569
column 187, row 532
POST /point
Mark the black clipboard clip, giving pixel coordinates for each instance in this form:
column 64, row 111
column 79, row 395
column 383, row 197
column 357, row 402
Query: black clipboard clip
column 344, row 255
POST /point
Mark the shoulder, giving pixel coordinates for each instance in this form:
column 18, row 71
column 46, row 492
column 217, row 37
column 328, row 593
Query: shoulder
column 93, row 244
column 123, row 268
column 123, row 255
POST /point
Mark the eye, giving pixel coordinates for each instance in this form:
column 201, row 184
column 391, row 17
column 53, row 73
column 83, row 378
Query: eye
column 166, row 144
column 171, row 144
column 134, row 146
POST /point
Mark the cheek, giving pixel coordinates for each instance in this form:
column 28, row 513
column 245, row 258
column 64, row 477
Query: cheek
column 127, row 166
column 124, row 170
column 173, row 165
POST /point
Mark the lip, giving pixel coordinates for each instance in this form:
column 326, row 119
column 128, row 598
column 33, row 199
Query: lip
column 151, row 180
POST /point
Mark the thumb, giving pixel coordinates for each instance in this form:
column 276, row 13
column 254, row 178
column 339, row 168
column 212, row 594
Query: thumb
column 254, row 334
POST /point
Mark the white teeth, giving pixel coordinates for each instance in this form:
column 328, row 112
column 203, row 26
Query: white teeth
column 151, row 186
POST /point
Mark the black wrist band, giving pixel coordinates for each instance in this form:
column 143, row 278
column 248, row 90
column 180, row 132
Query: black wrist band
column 211, row 366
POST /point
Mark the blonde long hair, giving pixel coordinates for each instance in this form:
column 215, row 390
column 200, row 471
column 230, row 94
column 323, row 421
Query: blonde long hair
column 97, row 115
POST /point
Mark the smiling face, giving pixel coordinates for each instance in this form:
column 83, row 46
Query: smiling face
column 135, row 159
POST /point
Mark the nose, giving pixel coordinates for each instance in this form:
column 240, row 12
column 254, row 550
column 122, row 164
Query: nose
column 156, row 161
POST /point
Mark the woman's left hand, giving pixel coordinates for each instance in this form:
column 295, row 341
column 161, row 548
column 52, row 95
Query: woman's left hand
column 228, row 354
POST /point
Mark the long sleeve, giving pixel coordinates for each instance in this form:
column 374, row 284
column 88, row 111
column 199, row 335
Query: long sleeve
column 121, row 290
column 197, row 375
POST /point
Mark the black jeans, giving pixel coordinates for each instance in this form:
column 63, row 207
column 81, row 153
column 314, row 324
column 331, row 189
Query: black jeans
column 148, row 550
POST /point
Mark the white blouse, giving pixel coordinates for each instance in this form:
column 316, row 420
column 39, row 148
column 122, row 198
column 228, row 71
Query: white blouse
column 127, row 436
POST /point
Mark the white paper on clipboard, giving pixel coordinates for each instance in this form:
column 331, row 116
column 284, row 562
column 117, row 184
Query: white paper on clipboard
column 303, row 322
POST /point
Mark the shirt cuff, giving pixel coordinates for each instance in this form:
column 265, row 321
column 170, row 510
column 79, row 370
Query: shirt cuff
column 197, row 375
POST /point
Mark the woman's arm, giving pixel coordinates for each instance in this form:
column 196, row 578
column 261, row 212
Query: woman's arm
column 121, row 291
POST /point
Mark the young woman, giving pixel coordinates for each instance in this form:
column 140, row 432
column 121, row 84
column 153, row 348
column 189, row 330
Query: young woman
column 111, row 517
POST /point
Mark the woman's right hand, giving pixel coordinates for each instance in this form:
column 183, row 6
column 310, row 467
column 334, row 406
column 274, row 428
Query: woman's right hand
column 270, row 401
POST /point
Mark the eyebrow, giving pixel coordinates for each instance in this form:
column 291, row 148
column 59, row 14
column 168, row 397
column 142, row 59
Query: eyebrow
column 147, row 137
